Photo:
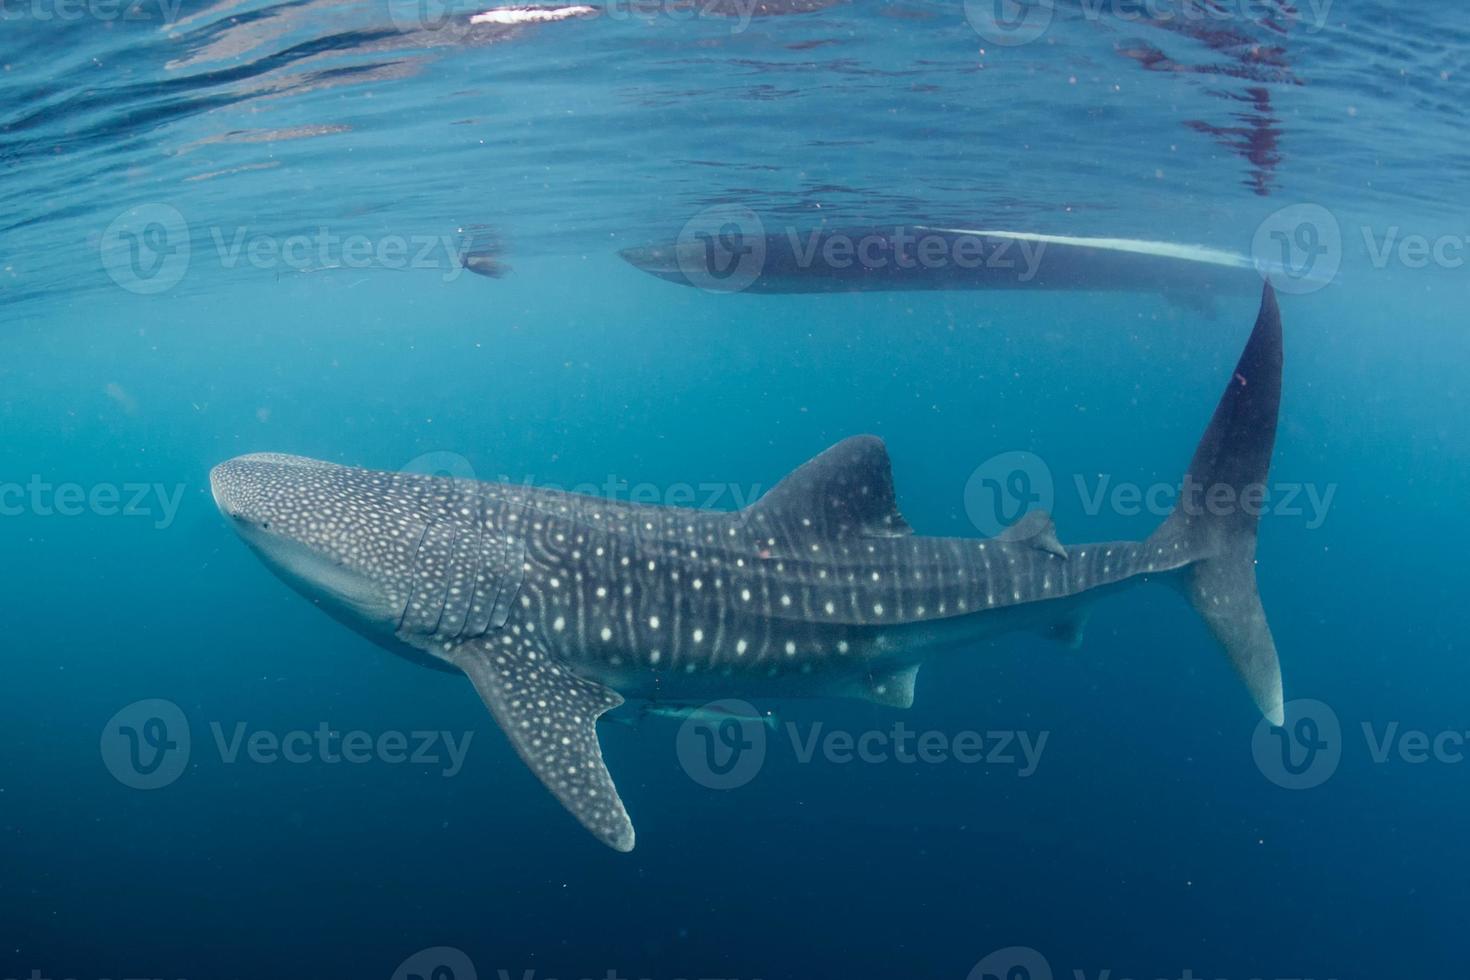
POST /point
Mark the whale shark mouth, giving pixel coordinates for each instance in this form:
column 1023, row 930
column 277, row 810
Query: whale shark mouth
column 657, row 260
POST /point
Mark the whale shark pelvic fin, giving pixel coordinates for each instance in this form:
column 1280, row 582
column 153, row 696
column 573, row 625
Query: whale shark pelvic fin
column 894, row 689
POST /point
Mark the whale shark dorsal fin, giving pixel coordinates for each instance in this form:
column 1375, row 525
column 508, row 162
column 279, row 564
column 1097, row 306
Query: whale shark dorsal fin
column 846, row 491
column 550, row 716
column 1037, row 529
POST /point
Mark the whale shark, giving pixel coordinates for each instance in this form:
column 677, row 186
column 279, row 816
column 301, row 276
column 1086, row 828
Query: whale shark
column 888, row 258
column 559, row 606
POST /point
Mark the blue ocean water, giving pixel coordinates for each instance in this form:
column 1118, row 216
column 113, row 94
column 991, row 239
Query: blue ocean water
column 236, row 227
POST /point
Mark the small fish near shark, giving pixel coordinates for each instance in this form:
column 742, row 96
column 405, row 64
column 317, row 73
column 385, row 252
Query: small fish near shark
column 482, row 252
column 713, row 713
column 558, row 606
column 903, row 258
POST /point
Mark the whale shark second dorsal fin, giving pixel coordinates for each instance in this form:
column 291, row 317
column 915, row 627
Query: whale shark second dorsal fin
column 1037, row 529
column 846, row 491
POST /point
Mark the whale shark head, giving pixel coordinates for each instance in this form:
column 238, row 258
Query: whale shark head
column 666, row 261
column 343, row 537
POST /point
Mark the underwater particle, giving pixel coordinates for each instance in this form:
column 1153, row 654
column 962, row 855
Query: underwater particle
column 120, row 395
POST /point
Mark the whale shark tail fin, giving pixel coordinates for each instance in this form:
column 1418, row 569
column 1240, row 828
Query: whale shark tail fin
column 1213, row 528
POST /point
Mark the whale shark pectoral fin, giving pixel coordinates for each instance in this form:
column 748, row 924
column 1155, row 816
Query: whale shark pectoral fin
column 550, row 716
column 894, row 689
column 845, row 491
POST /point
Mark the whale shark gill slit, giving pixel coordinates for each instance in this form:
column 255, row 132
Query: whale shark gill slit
column 464, row 579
